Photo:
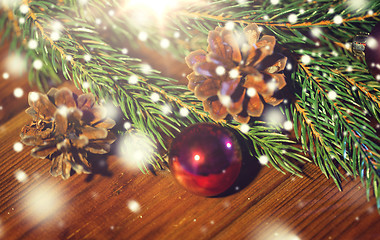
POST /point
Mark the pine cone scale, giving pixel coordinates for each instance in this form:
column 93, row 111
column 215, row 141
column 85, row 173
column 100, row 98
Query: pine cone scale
column 65, row 128
column 233, row 73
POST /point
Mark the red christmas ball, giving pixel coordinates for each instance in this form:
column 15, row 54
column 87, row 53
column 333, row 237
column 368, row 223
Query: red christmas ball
column 205, row 159
column 372, row 52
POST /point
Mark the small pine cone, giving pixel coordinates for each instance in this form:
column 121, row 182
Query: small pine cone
column 65, row 128
column 237, row 73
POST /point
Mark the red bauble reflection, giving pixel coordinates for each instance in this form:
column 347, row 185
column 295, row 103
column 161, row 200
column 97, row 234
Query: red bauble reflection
column 205, row 159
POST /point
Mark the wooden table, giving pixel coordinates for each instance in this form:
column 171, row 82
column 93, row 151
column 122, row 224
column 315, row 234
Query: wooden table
column 125, row 204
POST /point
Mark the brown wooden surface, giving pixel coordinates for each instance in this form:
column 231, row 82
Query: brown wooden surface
column 270, row 206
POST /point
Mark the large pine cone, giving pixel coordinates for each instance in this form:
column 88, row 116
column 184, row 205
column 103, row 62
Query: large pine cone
column 65, row 128
column 237, row 74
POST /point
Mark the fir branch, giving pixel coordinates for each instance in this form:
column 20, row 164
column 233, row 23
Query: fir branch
column 107, row 75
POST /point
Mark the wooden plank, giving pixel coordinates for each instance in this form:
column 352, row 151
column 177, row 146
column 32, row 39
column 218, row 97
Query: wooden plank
column 272, row 206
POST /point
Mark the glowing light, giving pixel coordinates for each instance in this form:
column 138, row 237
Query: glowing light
column 158, row 8
column 274, row 117
column 109, row 110
column 134, row 206
column 228, row 145
column 136, row 149
column 197, row 157
column 5, row 75
column 43, row 201
column 15, row 64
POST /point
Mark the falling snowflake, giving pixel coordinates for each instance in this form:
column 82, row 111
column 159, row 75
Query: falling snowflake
column 251, row 92
column 55, row 36
column 24, row 9
column 5, row 75
column 32, row 44
column 133, row 79
column 288, row 125
column 263, row 159
column 176, row 34
column 166, row 109
column 184, row 112
column 305, row 59
column 372, row 43
column 292, row 18
column 165, row 43
column 136, row 148
column 220, row 70
column 244, row 128
column 18, row 92
column 37, row 64
column 146, row 68
column 338, row 19
column 332, row 95
column 20, row 176
column 225, row 100
column 274, row 2
column 18, row 147
column 230, row 25
column 124, row 51
column 143, row 36
column 134, row 206
column 356, row 5
column 155, row 97
column 127, row 125
column 87, row 57
column 234, row 73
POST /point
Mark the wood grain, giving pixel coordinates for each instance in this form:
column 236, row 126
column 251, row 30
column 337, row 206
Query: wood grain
column 268, row 205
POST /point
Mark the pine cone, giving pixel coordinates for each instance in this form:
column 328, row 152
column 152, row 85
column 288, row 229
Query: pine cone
column 237, row 73
column 65, row 128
